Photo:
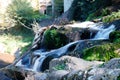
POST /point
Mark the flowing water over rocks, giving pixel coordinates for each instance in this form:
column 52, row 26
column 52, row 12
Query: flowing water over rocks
column 38, row 59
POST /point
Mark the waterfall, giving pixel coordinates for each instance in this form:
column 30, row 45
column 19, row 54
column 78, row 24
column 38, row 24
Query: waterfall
column 34, row 61
column 104, row 33
column 43, row 55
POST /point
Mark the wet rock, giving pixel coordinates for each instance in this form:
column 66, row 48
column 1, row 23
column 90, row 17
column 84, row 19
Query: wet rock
column 4, row 77
column 72, row 63
column 57, row 75
column 116, row 23
column 78, row 51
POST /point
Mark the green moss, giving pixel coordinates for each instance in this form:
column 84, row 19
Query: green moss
column 102, row 52
column 115, row 36
column 54, row 39
column 60, row 66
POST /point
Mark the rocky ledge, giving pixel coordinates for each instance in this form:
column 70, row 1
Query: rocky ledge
column 72, row 68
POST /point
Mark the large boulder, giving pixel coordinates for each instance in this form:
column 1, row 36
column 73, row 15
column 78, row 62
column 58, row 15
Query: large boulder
column 57, row 75
column 104, row 74
column 113, row 64
column 71, row 63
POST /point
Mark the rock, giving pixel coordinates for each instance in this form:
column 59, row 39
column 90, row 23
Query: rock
column 117, row 51
column 37, row 76
column 43, row 76
column 72, row 63
column 104, row 74
column 75, row 75
column 116, row 23
column 113, row 64
column 57, row 75
column 82, row 45
column 4, row 77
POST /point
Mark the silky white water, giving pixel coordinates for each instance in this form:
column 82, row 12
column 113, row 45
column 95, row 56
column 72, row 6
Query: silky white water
column 39, row 55
column 104, row 33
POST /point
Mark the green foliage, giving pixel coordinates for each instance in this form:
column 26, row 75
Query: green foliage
column 54, row 39
column 15, row 39
column 102, row 52
column 113, row 16
column 21, row 10
column 98, row 14
column 115, row 36
column 60, row 66
column 118, row 78
column 81, row 9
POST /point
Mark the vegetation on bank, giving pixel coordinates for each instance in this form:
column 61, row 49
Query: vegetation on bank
column 104, row 52
column 15, row 39
column 54, row 39
column 20, row 16
column 20, row 11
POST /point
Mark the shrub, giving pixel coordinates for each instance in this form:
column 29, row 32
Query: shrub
column 21, row 10
column 81, row 9
column 54, row 39
column 102, row 52
column 111, row 17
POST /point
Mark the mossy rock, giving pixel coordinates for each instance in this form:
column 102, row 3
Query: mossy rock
column 115, row 36
column 54, row 39
column 101, row 52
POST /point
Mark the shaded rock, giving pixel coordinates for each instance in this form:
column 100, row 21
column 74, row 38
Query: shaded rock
column 75, row 75
column 57, row 75
column 116, row 23
column 113, row 64
column 78, row 51
column 72, row 63
column 4, row 77
column 12, row 74
column 36, row 76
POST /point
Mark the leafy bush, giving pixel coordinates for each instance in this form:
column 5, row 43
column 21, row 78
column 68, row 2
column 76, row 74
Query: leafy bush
column 102, row 52
column 111, row 17
column 81, row 9
column 54, row 39
column 98, row 14
column 115, row 36
column 21, row 10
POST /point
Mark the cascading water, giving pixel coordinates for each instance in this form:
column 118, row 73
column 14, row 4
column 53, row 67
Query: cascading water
column 35, row 62
column 104, row 33
column 43, row 55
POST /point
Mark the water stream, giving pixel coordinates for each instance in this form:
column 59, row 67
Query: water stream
column 35, row 60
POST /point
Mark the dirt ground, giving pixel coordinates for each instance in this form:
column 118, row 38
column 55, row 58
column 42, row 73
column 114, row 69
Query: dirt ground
column 6, row 59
